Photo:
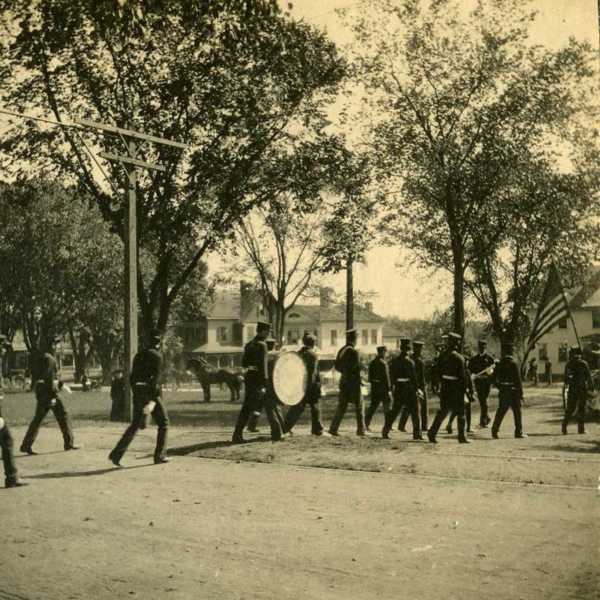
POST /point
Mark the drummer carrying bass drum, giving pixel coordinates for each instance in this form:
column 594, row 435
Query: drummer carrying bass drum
column 256, row 377
column 312, row 397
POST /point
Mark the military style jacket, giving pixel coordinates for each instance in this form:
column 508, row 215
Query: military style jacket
column 577, row 374
column 402, row 371
column 479, row 363
column 311, row 360
column 44, row 373
column 453, row 372
column 147, row 369
column 420, row 373
column 379, row 376
column 255, row 361
column 347, row 363
column 507, row 376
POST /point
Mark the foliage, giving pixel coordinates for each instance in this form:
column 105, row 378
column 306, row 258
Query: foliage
column 60, row 268
column 457, row 102
column 240, row 83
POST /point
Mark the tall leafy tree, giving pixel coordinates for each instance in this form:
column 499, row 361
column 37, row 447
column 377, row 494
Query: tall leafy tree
column 457, row 100
column 239, row 82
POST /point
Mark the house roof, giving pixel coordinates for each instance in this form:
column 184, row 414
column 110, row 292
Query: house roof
column 226, row 305
column 391, row 331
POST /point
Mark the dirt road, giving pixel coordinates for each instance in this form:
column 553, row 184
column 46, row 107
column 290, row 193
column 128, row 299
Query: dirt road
column 417, row 522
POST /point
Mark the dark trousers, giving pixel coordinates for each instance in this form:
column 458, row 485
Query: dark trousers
column 507, row 399
column 349, row 394
column 422, row 412
column 44, row 404
column 451, row 400
column 377, row 397
column 138, row 421
column 254, row 403
column 295, row 412
column 255, row 416
column 576, row 401
column 467, row 418
column 482, row 388
column 405, row 396
column 8, row 459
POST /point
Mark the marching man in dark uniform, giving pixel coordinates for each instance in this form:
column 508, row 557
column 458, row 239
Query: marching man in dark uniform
column 256, row 380
column 417, row 358
column 507, row 378
column 579, row 378
column 347, row 363
column 381, row 386
column 404, row 380
column 313, row 390
column 44, row 377
column 145, row 381
column 480, row 366
column 454, row 384
column 11, row 479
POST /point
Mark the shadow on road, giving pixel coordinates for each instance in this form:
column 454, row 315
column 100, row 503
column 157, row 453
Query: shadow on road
column 66, row 474
column 184, row 450
column 591, row 446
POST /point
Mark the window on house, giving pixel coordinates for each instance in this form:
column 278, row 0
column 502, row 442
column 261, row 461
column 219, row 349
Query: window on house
column 221, row 334
column 293, row 335
column 365, row 337
column 563, row 353
column 250, row 332
column 596, row 318
column 374, row 336
column 543, row 352
column 334, row 337
column 562, row 324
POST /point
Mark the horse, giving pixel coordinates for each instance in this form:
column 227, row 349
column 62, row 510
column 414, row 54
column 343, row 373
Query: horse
column 207, row 375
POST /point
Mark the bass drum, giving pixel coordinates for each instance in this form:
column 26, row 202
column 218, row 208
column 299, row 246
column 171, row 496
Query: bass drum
column 290, row 378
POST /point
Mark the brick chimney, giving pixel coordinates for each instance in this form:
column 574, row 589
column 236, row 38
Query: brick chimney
column 369, row 306
column 325, row 297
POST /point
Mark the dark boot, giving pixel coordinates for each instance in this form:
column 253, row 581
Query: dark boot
column 437, row 422
column 462, row 438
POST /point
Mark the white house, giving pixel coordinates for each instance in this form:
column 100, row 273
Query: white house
column 584, row 304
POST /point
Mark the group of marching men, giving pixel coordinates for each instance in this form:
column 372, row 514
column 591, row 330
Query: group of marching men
column 398, row 385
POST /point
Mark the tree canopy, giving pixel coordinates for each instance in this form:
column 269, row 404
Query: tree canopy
column 240, row 83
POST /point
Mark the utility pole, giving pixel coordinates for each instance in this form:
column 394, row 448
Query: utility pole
column 130, row 162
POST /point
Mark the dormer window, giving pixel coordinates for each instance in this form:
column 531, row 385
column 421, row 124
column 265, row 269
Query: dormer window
column 294, row 316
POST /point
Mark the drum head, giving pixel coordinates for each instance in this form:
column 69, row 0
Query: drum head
column 290, row 378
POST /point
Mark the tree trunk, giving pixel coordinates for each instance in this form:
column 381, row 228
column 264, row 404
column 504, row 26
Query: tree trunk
column 459, row 287
column 349, row 293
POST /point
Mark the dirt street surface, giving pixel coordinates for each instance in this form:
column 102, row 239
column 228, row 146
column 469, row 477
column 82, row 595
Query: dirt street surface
column 321, row 518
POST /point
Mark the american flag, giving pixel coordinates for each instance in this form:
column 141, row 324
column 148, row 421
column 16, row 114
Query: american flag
column 552, row 308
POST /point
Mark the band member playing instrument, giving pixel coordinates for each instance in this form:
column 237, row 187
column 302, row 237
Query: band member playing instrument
column 381, row 385
column 507, row 378
column 44, row 376
column 404, row 380
column 256, row 378
column 145, row 381
column 313, row 389
column 579, row 378
column 480, row 366
column 347, row 363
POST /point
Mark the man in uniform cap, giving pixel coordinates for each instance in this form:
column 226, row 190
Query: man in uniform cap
column 381, row 385
column 11, row 478
column 507, row 378
column 480, row 366
column 417, row 357
column 453, row 387
column 579, row 378
column 145, row 380
column 312, row 397
column 347, row 363
column 44, row 377
column 404, row 379
column 256, row 380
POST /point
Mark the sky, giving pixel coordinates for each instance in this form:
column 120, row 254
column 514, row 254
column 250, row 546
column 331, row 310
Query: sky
column 400, row 289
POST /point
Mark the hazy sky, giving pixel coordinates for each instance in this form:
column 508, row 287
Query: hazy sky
column 405, row 291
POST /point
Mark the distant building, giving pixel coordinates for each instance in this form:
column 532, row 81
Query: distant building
column 584, row 304
column 221, row 334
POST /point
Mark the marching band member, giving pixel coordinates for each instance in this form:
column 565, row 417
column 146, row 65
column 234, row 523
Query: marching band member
column 579, row 378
